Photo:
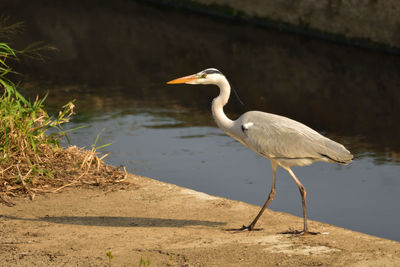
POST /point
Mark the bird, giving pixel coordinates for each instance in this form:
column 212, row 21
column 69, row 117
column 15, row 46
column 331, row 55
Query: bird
column 284, row 141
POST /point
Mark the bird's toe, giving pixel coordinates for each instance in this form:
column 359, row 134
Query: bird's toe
column 299, row 233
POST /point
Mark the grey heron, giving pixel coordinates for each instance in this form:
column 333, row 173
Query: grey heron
column 285, row 142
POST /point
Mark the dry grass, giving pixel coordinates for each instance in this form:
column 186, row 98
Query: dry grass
column 54, row 170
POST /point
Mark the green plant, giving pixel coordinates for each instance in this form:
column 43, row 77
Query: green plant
column 144, row 263
column 171, row 260
column 110, row 257
column 24, row 124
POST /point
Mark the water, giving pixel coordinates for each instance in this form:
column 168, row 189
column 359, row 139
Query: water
column 363, row 196
column 117, row 69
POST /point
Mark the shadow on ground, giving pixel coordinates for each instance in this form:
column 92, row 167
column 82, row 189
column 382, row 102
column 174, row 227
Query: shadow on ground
column 119, row 221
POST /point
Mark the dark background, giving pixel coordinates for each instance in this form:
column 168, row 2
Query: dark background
column 135, row 48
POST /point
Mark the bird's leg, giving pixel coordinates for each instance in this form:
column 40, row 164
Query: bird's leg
column 303, row 194
column 269, row 199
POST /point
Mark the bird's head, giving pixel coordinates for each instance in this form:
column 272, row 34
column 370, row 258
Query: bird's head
column 208, row 76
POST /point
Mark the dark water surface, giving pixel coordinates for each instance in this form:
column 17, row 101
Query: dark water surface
column 116, row 59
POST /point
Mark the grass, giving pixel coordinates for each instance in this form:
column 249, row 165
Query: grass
column 31, row 160
column 23, row 124
column 110, row 257
column 144, row 262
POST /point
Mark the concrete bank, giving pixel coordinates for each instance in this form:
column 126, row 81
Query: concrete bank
column 171, row 226
column 365, row 23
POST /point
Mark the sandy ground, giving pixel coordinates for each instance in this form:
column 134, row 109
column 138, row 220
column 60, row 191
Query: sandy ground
column 171, row 226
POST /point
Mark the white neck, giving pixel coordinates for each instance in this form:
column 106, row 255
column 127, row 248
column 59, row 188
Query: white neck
column 219, row 102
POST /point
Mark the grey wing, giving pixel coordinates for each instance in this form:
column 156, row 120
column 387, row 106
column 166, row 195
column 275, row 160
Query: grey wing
column 278, row 137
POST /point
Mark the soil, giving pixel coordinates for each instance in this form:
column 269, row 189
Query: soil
column 170, row 226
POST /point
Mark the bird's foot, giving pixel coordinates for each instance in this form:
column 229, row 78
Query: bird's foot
column 299, row 233
column 244, row 228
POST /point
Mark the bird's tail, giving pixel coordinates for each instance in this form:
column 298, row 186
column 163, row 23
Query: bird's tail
column 337, row 152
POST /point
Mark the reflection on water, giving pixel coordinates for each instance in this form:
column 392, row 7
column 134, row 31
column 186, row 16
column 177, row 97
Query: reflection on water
column 115, row 62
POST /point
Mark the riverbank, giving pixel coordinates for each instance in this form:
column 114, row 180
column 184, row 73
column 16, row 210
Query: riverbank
column 368, row 24
column 170, row 225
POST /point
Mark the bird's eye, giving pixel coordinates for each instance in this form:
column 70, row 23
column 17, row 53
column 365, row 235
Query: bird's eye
column 203, row 75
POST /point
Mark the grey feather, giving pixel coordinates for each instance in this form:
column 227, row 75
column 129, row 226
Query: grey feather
column 278, row 137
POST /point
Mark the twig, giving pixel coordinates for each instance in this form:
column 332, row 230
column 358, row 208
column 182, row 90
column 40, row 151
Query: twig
column 54, row 190
column 89, row 183
column 31, row 194
column 2, row 171
column 125, row 176
column 62, row 187
column 10, row 193
column 5, row 200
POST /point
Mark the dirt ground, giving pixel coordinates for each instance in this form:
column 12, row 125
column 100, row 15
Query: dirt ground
column 170, row 226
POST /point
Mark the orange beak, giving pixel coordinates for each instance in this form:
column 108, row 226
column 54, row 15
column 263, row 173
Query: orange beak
column 183, row 79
